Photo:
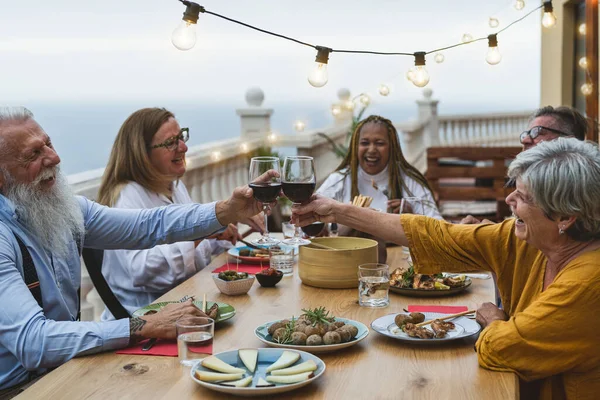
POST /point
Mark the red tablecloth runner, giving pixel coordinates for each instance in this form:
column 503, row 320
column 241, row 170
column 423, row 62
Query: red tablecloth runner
column 162, row 347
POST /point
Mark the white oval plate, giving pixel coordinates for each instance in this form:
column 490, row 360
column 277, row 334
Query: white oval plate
column 262, row 333
column 465, row 327
column 266, row 357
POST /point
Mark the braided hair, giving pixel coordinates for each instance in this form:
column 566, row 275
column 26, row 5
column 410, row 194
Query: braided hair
column 395, row 184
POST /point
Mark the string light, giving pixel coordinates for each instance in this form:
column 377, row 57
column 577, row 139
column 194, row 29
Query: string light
column 420, row 76
column 493, row 22
column 587, row 89
column 184, row 36
column 384, row 90
column 365, row 99
column 244, row 147
column 336, row 110
column 272, row 137
column 549, row 19
column 216, row 155
column 439, row 58
column 467, row 37
column 493, row 56
column 349, row 105
column 581, row 29
column 299, row 126
column 519, row 5
column 583, row 62
column 318, row 76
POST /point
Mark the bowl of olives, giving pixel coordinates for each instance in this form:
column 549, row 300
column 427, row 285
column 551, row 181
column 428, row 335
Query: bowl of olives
column 233, row 283
column 269, row 277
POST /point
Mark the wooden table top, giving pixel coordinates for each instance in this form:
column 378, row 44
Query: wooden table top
column 378, row 367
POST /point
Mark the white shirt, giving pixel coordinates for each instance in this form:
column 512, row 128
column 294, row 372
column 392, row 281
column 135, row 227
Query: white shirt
column 338, row 186
column 138, row 277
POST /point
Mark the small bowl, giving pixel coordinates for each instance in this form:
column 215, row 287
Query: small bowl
column 233, row 288
column 269, row 280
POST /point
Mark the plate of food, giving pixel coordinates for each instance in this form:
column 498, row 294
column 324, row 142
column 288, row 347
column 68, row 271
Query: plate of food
column 314, row 331
column 404, row 281
column 218, row 311
column 405, row 327
column 257, row 372
column 250, row 255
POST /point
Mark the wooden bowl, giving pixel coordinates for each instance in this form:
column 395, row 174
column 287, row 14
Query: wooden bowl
column 335, row 269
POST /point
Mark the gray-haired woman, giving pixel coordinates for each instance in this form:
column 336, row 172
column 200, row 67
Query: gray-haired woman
column 546, row 258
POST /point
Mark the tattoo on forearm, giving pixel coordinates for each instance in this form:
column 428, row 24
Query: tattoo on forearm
column 135, row 327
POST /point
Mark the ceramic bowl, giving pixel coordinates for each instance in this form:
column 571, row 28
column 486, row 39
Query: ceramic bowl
column 234, row 288
column 269, row 280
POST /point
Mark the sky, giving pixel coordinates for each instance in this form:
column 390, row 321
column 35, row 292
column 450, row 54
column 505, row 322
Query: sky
column 120, row 51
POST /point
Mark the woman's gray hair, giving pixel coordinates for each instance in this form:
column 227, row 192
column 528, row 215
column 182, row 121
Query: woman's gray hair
column 563, row 178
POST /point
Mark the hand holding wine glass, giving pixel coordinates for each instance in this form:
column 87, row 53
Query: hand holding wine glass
column 298, row 183
column 265, row 181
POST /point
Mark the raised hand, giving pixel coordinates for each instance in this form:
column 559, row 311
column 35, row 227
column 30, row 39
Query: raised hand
column 318, row 209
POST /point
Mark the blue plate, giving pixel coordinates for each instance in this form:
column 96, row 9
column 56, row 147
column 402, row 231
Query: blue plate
column 266, row 357
column 235, row 252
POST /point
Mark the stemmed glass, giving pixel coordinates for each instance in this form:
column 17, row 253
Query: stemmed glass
column 265, row 190
column 298, row 183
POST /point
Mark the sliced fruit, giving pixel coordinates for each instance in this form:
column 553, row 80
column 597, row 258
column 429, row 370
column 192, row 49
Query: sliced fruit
column 217, row 364
column 208, row 376
column 262, row 383
column 249, row 358
column 290, row 378
column 441, row 286
column 306, row 366
column 241, row 383
column 286, row 359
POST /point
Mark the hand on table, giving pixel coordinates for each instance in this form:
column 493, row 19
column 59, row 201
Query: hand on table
column 230, row 234
column 488, row 313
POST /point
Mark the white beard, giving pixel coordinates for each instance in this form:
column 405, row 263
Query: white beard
column 53, row 215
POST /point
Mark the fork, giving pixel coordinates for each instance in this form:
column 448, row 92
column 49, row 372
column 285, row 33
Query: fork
column 152, row 341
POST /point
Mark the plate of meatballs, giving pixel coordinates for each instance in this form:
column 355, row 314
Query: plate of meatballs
column 312, row 332
column 405, row 327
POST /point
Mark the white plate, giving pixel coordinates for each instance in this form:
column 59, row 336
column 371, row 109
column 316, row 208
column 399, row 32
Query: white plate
column 266, row 357
column 465, row 327
column 262, row 333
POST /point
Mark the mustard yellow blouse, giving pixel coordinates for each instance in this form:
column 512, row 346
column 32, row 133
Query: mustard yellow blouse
column 552, row 339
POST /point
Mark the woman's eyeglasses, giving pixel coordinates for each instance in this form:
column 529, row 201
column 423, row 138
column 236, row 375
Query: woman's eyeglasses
column 173, row 142
column 537, row 130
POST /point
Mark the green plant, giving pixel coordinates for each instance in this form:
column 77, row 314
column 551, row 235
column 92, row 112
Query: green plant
column 341, row 150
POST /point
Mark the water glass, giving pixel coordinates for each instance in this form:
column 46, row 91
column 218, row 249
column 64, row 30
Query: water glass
column 417, row 205
column 373, row 285
column 288, row 230
column 194, row 339
column 281, row 258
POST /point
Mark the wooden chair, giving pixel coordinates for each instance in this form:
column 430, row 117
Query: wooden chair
column 470, row 180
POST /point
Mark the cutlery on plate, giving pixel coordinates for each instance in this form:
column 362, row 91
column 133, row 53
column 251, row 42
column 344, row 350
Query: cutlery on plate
column 250, row 244
column 152, row 341
column 460, row 314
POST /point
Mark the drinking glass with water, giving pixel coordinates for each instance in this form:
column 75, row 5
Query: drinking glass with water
column 281, row 258
column 373, row 285
column 194, row 339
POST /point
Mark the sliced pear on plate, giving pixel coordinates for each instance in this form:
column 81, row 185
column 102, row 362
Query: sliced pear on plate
column 208, row 376
column 241, row 383
column 249, row 358
column 286, row 359
column 217, row 364
column 290, row 378
column 262, row 383
column 307, row 366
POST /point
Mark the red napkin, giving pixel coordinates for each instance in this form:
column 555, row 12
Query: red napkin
column 249, row 268
column 162, row 347
column 438, row 309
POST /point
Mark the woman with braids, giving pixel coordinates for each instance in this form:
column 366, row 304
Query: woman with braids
column 376, row 167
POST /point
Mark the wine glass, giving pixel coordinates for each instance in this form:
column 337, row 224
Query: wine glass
column 298, row 184
column 265, row 190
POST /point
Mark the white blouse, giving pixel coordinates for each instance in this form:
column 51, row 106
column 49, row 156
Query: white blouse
column 138, row 277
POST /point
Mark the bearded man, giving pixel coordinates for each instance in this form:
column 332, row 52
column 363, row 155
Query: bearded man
column 43, row 226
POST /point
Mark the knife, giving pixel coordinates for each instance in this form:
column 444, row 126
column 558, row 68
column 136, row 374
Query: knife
column 152, row 341
column 250, row 244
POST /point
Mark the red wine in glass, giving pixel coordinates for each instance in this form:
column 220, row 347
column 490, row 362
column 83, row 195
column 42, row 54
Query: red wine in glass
column 266, row 192
column 298, row 192
column 298, row 184
column 313, row 229
column 265, row 186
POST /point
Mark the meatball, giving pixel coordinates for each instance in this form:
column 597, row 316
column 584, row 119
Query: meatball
column 402, row 319
column 339, row 324
column 332, row 338
column 279, row 334
column 277, row 325
column 311, row 330
column 314, row 340
column 323, row 328
column 300, row 327
column 344, row 334
column 299, row 338
column 352, row 329
column 417, row 317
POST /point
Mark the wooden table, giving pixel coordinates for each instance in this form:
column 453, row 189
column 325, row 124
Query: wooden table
column 378, row 367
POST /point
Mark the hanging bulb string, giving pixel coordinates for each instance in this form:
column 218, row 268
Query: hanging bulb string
column 204, row 10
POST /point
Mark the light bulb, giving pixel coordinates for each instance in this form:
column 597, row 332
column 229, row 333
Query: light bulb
column 384, row 90
column 318, row 77
column 299, row 126
column 184, row 36
column 519, row 4
column 493, row 56
column 244, row 147
column 587, row 89
column 581, row 29
column 272, row 137
column 439, row 58
column 467, row 37
column 336, row 110
column 549, row 19
column 494, row 22
column 216, row 155
column 583, row 62
column 420, row 76
column 365, row 99
column 349, row 105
